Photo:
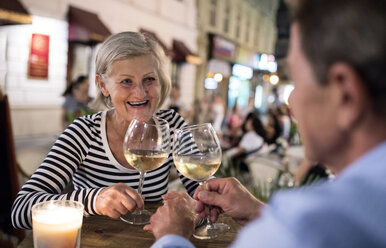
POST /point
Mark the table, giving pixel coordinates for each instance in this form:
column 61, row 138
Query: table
column 102, row 231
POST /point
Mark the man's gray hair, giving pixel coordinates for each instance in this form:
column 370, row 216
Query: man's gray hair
column 348, row 31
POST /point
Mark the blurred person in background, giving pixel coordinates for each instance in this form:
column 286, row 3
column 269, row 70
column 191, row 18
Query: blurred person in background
column 252, row 141
column 337, row 60
column 196, row 112
column 175, row 102
column 76, row 100
column 285, row 120
column 273, row 127
column 310, row 172
column 234, row 123
column 132, row 83
column 202, row 110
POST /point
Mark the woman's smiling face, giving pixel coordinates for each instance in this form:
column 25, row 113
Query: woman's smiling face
column 134, row 87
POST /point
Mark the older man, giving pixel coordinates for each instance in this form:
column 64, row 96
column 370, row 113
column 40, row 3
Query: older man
column 337, row 60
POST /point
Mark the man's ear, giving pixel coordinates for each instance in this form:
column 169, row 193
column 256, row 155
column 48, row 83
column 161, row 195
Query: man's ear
column 349, row 94
column 102, row 85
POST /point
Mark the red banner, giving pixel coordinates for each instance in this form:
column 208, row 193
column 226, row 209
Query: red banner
column 38, row 56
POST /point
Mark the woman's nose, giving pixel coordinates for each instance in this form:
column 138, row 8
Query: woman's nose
column 140, row 90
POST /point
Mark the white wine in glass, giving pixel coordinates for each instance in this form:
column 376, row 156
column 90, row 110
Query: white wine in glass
column 145, row 160
column 197, row 156
column 146, row 147
column 197, row 167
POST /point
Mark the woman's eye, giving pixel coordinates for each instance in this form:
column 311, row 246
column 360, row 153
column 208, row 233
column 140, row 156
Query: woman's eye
column 149, row 79
column 126, row 81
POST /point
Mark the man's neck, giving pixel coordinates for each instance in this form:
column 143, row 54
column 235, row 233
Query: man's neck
column 358, row 144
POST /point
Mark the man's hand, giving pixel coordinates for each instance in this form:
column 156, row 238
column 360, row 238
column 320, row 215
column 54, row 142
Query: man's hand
column 117, row 200
column 176, row 216
column 230, row 196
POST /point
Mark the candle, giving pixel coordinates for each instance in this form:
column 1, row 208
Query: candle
column 57, row 224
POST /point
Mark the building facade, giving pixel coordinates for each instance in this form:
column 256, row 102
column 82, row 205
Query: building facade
column 36, row 102
column 234, row 32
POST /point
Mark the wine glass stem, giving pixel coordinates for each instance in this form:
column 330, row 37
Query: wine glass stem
column 140, row 186
column 208, row 218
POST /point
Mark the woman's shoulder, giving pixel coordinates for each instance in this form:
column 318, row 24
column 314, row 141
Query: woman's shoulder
column 92, row 121
column 167, row 114
column 175, row 120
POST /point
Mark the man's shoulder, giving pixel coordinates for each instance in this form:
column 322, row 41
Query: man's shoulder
column 333, row 212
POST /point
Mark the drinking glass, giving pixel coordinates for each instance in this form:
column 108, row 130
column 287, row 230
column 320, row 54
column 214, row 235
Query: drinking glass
column 146, row 147
column 197, row 156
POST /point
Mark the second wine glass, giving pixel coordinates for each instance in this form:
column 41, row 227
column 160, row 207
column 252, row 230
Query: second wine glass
column 146, row 147
column 197, row 156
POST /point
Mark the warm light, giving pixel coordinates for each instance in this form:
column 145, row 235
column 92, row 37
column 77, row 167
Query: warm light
column 210, row 75
column 195, row 60
column 274, row 79
column 218, row 77
column 57, row 223
column 265, row 78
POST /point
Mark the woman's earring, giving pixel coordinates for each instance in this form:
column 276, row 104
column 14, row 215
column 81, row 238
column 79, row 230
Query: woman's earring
column 108, row 102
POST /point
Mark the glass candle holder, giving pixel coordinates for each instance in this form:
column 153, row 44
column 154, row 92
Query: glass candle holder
column 57, row 223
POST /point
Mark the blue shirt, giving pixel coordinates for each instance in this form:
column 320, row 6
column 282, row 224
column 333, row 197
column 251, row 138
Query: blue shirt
column 348, row 212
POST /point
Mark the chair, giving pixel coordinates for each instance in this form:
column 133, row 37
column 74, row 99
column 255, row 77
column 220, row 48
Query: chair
column 264, row 170
column 9, row 180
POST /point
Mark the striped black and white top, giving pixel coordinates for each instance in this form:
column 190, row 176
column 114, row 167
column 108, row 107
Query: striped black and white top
column 82, row 154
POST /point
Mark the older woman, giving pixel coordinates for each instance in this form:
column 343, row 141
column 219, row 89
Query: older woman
column 132, row 82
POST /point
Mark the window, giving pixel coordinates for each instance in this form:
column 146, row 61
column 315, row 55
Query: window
column 247, row 29
column 227, row 16
column 212, row 15
column 257, row 30
column 238, row 23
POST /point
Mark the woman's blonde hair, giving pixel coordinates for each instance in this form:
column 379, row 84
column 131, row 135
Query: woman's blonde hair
column 127, row 45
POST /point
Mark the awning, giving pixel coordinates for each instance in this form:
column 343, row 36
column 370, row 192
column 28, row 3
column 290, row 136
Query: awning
column 181, row 53
column 13, row 12
column 86, row 27
column 154, row 36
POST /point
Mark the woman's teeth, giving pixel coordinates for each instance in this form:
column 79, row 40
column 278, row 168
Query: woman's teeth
column 137, row 104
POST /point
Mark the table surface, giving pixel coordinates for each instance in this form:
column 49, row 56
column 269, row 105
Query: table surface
column 102, row 231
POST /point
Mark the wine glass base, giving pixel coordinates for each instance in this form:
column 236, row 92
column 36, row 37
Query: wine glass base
column 138, row 217
column 210, row 231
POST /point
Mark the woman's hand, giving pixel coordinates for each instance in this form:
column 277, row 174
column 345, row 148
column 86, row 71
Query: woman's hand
column 117, row 200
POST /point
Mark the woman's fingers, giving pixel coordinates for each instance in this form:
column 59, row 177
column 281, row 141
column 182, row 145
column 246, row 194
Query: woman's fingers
column 137, row 198
column 129, row 204
column 113, row 214
column 117, row 200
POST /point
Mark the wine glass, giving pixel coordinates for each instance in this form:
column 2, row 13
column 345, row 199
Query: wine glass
column 197, row 156
column 146, row 147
